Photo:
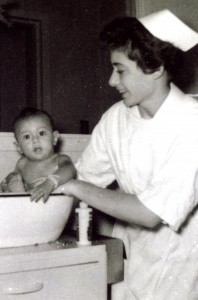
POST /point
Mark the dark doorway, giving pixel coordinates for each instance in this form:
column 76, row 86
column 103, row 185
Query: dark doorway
column 18, row 70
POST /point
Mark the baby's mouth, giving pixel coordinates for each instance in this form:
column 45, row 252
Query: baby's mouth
column 38, row 149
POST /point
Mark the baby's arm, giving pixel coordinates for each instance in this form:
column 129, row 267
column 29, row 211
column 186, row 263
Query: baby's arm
column 13, row 183
column 65, row 172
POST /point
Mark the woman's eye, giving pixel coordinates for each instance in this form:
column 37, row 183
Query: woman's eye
column 120, row 71
column 26, row 137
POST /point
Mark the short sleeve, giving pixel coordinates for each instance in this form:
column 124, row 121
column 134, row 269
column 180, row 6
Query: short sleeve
column 172, row 191
column 94, row 165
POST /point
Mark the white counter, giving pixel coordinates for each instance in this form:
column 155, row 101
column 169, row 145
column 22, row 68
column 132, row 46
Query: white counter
column 60, row 270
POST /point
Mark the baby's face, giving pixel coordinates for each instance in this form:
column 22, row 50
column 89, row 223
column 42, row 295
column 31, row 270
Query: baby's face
column 36, row 138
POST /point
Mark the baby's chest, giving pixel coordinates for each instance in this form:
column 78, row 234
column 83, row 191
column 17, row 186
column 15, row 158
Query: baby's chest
column 30, row 172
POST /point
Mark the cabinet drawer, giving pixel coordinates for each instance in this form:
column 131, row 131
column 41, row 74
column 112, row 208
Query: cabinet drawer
column 84, row 282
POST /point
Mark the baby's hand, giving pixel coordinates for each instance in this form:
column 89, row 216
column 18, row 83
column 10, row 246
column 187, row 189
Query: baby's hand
column 13, row 183
column 42, row 191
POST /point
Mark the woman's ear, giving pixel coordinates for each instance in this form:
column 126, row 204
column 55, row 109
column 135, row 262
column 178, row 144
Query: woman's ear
column 159, row 72
column 55, row 137
column 18, row 148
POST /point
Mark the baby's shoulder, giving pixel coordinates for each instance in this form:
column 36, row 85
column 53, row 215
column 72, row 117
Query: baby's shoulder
column 21, row 163
column 63, row 158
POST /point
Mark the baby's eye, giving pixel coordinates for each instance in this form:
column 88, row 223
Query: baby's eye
column 27, row 137
column 41, row 133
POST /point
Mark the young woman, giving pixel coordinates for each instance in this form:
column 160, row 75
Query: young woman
column 148, row 143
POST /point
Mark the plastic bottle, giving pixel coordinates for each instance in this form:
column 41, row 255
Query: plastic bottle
column 84, row 221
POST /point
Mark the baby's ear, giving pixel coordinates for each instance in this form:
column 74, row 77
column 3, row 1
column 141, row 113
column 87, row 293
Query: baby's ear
column 55, row 137
column 18, row 147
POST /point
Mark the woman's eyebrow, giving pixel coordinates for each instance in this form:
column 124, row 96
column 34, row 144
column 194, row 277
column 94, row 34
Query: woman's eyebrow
column 117, row 64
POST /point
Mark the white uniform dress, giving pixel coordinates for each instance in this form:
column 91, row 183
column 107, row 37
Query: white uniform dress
column 157, row 160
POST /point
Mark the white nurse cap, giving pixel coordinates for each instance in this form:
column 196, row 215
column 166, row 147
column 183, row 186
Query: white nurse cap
column 167, row 27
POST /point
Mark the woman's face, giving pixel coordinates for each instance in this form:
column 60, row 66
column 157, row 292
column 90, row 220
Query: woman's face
column 129, row 80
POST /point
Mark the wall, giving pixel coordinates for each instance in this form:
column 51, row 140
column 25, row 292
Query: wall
column 79, row 69
column 78, row 77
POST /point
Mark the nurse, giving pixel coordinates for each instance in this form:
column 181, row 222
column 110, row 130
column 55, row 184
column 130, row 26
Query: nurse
column 148, row 143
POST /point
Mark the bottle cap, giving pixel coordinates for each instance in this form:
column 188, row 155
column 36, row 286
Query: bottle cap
column 83, row 205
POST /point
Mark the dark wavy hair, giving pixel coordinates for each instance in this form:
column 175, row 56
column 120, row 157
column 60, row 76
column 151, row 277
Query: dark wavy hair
column 29, row 112
column 149, row 52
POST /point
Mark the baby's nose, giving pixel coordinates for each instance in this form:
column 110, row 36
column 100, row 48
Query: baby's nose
column 35, row 138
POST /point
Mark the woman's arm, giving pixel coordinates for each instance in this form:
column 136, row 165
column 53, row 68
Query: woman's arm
column 125, row 207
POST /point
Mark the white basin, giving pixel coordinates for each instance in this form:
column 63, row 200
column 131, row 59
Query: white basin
column 23, row 222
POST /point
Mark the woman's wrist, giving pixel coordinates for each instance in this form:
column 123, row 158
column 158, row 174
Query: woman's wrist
column 69, row 187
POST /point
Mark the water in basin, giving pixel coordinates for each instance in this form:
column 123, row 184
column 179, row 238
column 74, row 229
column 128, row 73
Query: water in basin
column 23, row 222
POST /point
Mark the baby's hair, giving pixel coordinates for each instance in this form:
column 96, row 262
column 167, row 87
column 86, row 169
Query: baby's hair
column 29, row 112
column 129, row 35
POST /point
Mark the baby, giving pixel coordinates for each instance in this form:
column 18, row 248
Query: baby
column 40, row 170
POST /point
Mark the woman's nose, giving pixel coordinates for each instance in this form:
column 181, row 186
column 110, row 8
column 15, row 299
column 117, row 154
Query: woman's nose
column 114, row 79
